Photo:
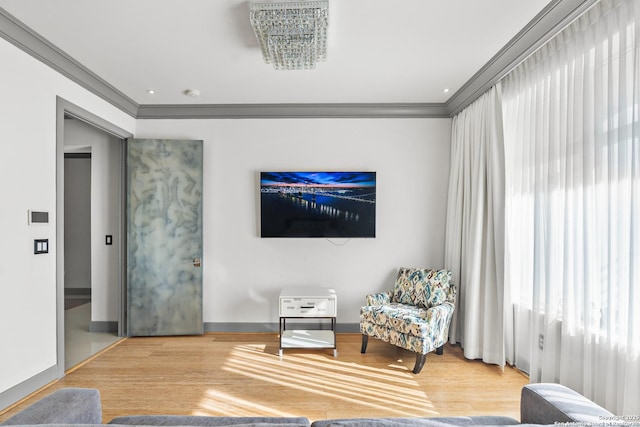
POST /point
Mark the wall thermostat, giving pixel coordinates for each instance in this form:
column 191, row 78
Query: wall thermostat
column 38, row 217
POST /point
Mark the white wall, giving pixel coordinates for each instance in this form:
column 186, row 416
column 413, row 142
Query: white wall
column 28, row 181
column 244, row 274
column 105, row 215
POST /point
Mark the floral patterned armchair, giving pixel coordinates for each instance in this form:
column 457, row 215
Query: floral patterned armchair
column 415, row 315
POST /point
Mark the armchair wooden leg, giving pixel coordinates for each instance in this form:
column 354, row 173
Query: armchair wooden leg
column 420, row 359
column 365, row 341
column 440, row 350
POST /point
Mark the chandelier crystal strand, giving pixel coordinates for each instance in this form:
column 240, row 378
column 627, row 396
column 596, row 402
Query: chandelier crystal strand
column 292, row 35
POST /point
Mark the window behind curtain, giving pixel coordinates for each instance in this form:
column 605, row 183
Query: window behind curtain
column 573, row 207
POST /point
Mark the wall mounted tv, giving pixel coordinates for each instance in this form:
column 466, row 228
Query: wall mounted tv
column 318, row 204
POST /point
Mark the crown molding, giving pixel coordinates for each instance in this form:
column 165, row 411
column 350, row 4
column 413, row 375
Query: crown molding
column 555, row 16
column 549, row 22
column 287, row 111
column 23, row 37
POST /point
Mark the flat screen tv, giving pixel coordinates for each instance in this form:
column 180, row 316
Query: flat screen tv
column 318, row 204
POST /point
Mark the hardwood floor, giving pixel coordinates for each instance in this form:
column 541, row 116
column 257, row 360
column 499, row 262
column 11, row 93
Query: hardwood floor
column 242, row 375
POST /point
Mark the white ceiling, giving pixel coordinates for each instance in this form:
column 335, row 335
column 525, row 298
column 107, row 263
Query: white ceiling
column 379, row 51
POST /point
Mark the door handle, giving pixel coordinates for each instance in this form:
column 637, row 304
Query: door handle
column 197, row 262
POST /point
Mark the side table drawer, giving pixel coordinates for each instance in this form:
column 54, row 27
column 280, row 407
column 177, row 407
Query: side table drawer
column 307, row 307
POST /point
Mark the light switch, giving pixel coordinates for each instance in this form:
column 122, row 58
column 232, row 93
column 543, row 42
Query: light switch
column 108, row 239
column 41, row 246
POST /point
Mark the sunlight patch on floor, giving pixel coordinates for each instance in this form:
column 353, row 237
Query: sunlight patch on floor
column 316, row 374
column 218, row 403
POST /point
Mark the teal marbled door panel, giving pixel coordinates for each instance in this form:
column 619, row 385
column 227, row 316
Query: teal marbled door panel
column 164, row 230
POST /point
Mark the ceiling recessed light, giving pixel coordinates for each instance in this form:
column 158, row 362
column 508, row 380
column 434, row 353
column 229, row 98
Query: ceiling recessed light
column 194, row 93
column 446, row 90
column 151, row 91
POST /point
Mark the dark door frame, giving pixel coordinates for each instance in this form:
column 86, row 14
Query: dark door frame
column 66, row 108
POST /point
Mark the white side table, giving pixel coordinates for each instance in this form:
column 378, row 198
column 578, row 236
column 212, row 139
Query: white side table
column 308, row 303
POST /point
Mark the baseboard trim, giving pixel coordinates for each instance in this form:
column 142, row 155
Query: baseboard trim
column 77, row 292
column 251, row 327
column 248, row 327
column 20, row 391
column 103, row 326
column 348, row 328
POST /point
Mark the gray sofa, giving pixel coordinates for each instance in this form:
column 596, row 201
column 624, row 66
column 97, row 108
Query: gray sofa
column 541, row 404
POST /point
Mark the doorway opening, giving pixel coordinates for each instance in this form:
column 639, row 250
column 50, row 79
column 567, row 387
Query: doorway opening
column 91, row 248
column 85, row 190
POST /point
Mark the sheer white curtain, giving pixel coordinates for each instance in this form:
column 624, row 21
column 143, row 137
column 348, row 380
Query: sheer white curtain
column 474, row 249
column 572, row 252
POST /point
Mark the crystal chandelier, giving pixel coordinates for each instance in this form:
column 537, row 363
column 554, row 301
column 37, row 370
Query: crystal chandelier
column 291, row 34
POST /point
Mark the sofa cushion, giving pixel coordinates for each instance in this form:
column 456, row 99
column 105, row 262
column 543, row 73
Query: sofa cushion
column 548, row 403
column 422, row 287
column 437, row 287
column 65, row 406
column 225, row 422
column 208, row 421
column 417, row 421
column 409, row 284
